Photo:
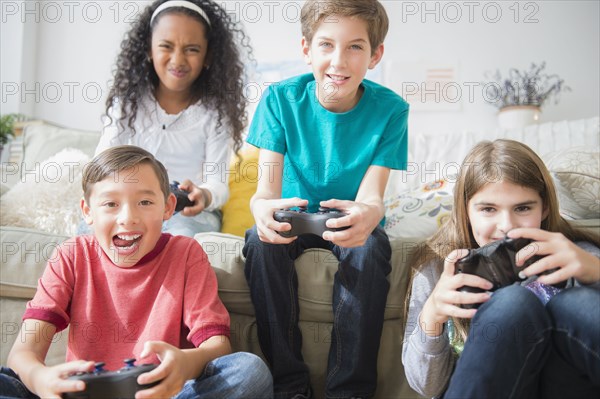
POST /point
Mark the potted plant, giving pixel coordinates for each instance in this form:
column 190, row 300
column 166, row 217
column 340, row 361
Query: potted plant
column 521, row 95
column 7, row 123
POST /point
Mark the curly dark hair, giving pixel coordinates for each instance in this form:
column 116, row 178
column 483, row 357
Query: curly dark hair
column 134, row 74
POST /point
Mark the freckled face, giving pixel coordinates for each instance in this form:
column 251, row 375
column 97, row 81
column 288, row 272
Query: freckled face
column 501, row 206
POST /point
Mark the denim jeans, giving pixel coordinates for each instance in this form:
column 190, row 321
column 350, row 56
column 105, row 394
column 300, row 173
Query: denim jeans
column 359, row 295
column 180, row 225
column 517, row 348
column 238, row 375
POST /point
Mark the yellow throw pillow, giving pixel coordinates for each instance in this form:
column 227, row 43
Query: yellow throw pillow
column 243, row 179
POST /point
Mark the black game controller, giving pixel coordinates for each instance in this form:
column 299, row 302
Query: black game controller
column 307, row 223
column 182, row 197
column 494, row 262
column 104, row 384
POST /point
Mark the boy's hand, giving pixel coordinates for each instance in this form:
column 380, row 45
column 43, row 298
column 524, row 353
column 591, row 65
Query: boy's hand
column 266, row 225
column 171, row 371
column 51, row 382
column 361, row 218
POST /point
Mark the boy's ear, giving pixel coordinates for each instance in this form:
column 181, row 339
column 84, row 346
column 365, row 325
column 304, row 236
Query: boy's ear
column 306, row 50
column 86, row 212
column 376, row 57
column 170, row 206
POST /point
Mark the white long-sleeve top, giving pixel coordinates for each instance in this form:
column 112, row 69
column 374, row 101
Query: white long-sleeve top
column 188, row 146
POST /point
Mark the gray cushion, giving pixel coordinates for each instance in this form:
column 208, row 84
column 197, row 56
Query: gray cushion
column 315, row 269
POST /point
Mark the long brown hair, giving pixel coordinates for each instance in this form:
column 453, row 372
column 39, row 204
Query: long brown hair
column 490, row 162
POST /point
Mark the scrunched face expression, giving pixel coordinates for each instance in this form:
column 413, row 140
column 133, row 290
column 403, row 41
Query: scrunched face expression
column 178, row 52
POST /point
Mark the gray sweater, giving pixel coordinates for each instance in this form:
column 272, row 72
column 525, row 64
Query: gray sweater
column 429, row 361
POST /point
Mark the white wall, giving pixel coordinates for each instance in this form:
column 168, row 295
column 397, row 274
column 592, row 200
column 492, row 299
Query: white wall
column 60, row 54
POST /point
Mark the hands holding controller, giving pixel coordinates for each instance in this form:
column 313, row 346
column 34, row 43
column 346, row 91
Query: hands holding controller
column 528, row 251
column 303, row 222
column 344, row 223
column 191, row 200
column 104, row 384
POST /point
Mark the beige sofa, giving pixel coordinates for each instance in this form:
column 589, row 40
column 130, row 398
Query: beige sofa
column 25, row 250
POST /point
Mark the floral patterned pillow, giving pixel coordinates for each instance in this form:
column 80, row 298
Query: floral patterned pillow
column 576, row 173
column 419, row 212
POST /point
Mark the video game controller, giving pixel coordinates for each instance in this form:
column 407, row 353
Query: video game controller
column 304, row 222
column 182, row 196
column 104, row 384
column 494, row 262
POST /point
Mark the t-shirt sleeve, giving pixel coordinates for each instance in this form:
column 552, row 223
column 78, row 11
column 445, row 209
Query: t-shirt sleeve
column 392, row 151
column 55, row 289
column 266, row 130
column 204, row 313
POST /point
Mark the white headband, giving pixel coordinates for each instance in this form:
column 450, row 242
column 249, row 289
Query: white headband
column 179, row 3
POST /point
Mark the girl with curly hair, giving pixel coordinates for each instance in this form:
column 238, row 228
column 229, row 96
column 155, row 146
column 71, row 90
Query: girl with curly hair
column 178, row 93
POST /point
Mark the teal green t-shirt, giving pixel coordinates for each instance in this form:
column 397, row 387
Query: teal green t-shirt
column 327, row 154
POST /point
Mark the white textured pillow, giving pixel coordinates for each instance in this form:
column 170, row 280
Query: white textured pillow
column 48, row 194
column 419, row 212
column 576, row 173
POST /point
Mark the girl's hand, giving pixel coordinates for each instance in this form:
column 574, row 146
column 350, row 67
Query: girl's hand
column 267, row 227
column 445, row 298
column 361, row 219
column 559, row 253
column 171, row 372
column 200, row 197
column 51, row 382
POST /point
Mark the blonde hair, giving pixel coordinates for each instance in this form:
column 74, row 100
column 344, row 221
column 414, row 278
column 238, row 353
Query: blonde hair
column 371, row 11
column 489, row 162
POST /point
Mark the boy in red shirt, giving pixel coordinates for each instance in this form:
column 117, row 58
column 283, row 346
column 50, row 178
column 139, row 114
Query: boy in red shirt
column 131, row 291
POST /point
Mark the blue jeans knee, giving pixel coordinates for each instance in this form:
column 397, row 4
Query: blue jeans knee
column 237, row 375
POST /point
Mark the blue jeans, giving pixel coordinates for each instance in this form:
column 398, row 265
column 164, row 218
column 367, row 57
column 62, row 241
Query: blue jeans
column 238, row 375
column 517, row 348
column 359, row 296
column 180, row 225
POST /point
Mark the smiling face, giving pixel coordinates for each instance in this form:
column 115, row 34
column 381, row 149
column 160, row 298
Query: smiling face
column 178, row 53
column 127, row 210
column 501, row 206
column 340, row 55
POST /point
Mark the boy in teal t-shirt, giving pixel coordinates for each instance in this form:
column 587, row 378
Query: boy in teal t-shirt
column 327, row 139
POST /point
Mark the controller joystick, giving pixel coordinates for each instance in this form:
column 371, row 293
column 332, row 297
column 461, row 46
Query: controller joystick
column 181, row 195
column 104, row 384
column 304, row 222
column 494, row 262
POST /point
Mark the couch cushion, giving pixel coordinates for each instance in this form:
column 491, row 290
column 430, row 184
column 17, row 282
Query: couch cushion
column 47, row 197
column 421, row 211
column 576, row 173
column 243, row 179
column 24, row 256
column 315, row 268
column 40, row 142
